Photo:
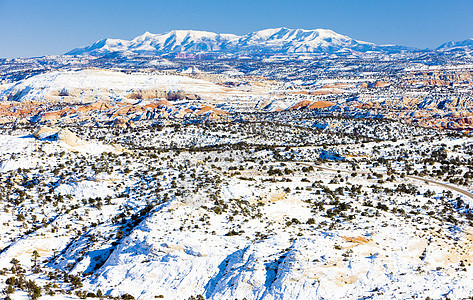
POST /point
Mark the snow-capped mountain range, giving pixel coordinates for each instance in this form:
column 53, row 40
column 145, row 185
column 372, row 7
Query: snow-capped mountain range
column 271, row 41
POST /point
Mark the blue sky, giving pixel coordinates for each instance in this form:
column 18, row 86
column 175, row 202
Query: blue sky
column 42, row 27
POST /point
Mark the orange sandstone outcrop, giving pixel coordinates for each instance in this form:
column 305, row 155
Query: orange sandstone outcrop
column 100, row 105
column 379, row 84
column 210, row 111
column 321, row 104
column 302, row 104
column 335, row 86
column 164, row 102
column 203, row 110
column 356, row 239
column 311, row 104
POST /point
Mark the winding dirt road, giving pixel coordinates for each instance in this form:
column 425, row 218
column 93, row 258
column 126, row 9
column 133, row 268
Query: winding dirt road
column 439, row 183
column 448, row 186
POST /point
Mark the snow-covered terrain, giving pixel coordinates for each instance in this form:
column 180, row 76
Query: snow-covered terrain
column 101, row 84
column 291, row 164
column 465, row 45
column 276, row 40
column 248, row 210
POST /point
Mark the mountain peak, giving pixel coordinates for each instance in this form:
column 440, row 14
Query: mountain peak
column 269, row 41
column 459, row 45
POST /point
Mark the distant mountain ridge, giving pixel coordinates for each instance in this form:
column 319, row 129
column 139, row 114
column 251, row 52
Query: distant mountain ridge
column 272, row 41
column 460, row 45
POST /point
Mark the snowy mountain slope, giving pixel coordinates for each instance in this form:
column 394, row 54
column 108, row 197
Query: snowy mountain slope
column 102, row 47
column 457, row 46
column 148, row 43
column 277, row 40
column 299, row 41
column 181, row 41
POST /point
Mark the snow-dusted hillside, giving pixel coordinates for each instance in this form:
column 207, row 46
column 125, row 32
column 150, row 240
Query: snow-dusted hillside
column 465, row 45
column 255, row 210
column 277, row 40
column 91, row 85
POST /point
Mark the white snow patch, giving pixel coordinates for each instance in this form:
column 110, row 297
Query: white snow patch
column 85, row 189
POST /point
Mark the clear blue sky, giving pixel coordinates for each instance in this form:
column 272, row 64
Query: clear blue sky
column 41, row 27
